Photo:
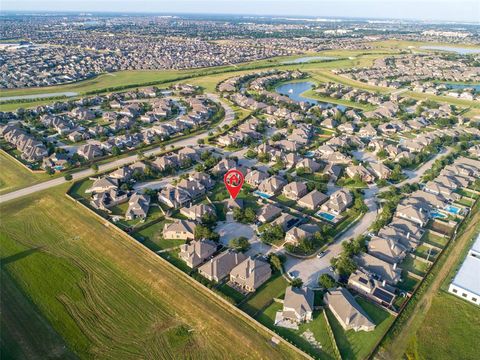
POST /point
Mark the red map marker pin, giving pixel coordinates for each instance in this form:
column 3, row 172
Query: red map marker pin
column 233, row 180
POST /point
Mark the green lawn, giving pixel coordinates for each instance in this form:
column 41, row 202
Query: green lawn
column 426, row 252
column 105, row 295
column 414, row 265
column 14, row 176
column 436, row 240
column 317, row 326
column 408, row 283
column 358, row 345
column 449, row 331
column 273, row 288
column 151, row 237
column 231, row 293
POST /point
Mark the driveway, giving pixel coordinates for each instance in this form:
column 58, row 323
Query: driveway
column 232, row 229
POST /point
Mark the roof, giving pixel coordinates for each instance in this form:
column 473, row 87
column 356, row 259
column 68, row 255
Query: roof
column 467, row 277
column 345, row 306
column 298, row 299
column 222, row 264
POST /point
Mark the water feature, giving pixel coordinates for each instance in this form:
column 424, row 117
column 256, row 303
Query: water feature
column 326, row 216
column 458, row 50
column 476, row 87
column 39, row 96
column 307, row 59
column 294, row 91
column 261, row 194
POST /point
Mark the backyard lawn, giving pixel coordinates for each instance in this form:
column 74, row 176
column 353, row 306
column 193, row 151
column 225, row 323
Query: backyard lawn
column 273, row 288
column 433, row 239
column 317, row 326
column 151, row 237
column 414, row 265
column 104, row 295
column 358, row 345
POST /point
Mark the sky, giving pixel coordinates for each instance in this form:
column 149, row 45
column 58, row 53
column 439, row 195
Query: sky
column 430, row 10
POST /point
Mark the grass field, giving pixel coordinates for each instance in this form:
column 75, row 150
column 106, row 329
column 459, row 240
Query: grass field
column 449, row 331
column 14, row 176
column 106, row 296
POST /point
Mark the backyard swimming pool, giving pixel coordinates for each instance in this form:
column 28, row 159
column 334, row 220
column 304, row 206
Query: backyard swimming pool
column 453, row 209
column 326, row 216
column 438, row 215
column 261, row 194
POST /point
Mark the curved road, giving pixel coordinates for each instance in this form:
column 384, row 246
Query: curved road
column 229, row 117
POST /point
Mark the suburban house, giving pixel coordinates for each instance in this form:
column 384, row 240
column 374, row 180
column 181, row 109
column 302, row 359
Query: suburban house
column 103, row 184
column 217, row 268
column 250, row 274
column 373, row 289
column 296, row 233
column 197, row 252
column 380, row 170
column 386, row 249
column 313, row 200
column 297, row 307
column 338, row 202
column 180, row 229
column 255, row 177
column 412, row 213
column 360, row 172
column 268, row 212
column 138, row 206
column 174, row 197
column 388, row 272
column 196, row 212
column 308, row 165
column 272, row 186
column 294, row 190
column 347, row 311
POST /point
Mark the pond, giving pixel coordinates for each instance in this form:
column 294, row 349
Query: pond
column 458, row 50
column 39, row 96
column 476, row 87
column 307, row 59
column 294, row 91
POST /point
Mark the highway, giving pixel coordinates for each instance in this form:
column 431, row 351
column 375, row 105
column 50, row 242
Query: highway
column 229, row 117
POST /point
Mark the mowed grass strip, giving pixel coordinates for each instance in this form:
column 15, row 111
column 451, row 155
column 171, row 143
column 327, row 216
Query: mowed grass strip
column 111, row 298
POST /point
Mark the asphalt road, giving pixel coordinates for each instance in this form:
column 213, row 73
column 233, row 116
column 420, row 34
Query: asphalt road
column 229, row 117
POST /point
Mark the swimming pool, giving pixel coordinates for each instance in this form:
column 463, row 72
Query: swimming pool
column 453, row 209
column 58, row 167
column 438, row 215
column 310, row 154
column 261, row 194
column 326, row 216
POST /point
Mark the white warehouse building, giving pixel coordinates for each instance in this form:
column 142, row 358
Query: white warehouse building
column 466, row 283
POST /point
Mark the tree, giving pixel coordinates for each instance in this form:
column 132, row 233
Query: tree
column 272, row 233
column 326, row 281
column 49, row 170
column 240, row 243
column 344, row 265
column 209, row 219
column 116, row 151
column 201, row 141
column 94, row 167
column 297, row 282
column 276, row 261
column 203, row 232
column 68, row 177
